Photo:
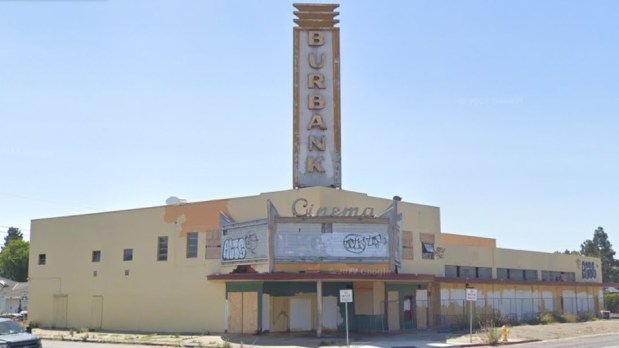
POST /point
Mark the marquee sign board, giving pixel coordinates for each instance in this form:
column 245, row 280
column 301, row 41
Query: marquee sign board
column 336, row 242
column 316, row 148
column 244, row 242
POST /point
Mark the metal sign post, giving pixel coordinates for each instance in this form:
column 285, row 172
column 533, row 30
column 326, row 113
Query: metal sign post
column 345, row 298
column 471, row 296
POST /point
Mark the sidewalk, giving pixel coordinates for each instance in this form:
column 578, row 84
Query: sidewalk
column 382, row 339
column 398, row 339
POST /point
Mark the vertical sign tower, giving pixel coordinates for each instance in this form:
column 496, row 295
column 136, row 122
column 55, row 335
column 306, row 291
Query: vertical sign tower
column 316, row 144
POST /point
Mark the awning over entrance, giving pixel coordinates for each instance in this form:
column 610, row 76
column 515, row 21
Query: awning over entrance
column 320, row 276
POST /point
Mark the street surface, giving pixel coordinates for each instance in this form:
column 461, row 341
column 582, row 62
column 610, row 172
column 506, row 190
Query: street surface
column 603, row 341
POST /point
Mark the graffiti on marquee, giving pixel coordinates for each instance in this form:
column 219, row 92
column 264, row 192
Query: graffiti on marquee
column 236, row 249
column 588, row 270
column 357, row 243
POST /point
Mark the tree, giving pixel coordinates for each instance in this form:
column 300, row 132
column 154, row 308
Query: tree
column 12, row 234
column 14, row 260
column 569, row 252
column 601, row 247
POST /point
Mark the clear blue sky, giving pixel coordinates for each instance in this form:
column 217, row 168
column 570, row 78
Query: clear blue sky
column 501, row 113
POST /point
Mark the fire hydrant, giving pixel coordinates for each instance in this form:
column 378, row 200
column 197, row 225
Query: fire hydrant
column 504, row 333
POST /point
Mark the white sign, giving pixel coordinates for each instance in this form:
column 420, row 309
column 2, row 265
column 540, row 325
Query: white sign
column 471, row 294
column 345, row 296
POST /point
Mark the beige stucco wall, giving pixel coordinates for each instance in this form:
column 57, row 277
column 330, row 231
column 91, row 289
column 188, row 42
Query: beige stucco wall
column 175, row 295
column 153, row 290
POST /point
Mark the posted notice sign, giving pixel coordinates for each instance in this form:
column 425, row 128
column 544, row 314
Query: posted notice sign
column 346, row 296
column 471, row 294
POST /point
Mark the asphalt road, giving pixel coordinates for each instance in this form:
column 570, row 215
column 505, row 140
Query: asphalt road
column 598, row 341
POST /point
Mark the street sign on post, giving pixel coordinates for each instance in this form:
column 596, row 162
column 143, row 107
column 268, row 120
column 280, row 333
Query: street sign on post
column 346, row 298
column 471, row 296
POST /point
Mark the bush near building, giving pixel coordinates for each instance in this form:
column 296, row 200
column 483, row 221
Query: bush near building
column 612, row 302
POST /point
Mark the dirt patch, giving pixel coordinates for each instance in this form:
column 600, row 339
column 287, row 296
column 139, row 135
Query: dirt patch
column 558, row 331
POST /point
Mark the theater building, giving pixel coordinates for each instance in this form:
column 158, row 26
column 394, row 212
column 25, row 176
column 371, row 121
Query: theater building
column 278, row 261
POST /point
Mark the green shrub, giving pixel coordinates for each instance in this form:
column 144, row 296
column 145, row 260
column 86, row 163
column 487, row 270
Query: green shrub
column 546, row 318
column 568, row 318
column 586, row 316
column 612, row 302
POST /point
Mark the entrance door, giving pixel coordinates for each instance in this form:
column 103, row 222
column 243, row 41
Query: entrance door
column 96, row 310
column 243, row 316
column 60, row 311
column 329, row 312
column 279, row 314
column 300, row 314
column 393, row 311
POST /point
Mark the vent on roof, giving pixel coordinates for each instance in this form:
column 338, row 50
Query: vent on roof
column 173, row 200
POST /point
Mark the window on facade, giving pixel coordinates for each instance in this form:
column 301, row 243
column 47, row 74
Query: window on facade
column 96, row 255
column 192, row 245
column 530, row 274
column 470, row 272
column 327, row 228
column 42, row 259
column 518, row 274
column 407, row 245
column 213, row 245
column 501, row 273
column 552, row 276
column 427, row 251
column 128, row 255
column 515, row 274
column 451, row 271
column 162, row 249
column 484, row 272
column 467, row 272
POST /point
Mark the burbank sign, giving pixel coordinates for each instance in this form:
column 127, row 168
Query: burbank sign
column 317, row 160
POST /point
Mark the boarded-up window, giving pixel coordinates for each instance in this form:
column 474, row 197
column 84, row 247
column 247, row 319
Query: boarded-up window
column 407, row 245
column 213, row 245
column 363, row 298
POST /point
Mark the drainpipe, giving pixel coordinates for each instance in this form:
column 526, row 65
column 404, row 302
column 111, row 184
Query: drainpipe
column 319, row 307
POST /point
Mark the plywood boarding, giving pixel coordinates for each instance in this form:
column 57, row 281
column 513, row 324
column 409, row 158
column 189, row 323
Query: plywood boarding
column 421, row 298
column 235, row 318
column 363, row 298
column 279, row 314
column 243, row 312
column 393, row 311
column 213, row 245
column 330, row 313
column 250, row 312
column 407, row 245
column 300, row 314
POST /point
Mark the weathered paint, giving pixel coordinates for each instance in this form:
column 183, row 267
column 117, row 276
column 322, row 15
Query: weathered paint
column 195, row 217
column 458, row 239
